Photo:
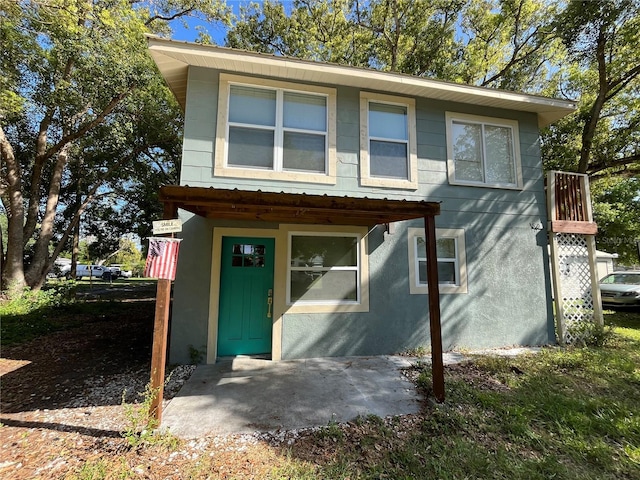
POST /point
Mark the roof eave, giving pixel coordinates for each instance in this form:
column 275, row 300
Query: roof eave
column 173, row 59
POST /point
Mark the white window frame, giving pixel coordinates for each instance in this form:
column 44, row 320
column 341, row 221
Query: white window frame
column 460, row 262
column 366, row 179
column 221, row 167
column 451, row 117
column 361, row 287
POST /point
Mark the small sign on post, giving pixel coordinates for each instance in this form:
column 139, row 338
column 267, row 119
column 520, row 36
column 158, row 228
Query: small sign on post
column 167, row 226
column 161, row 263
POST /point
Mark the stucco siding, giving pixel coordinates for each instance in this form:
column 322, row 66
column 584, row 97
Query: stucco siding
column 199, row 148
column 506, row 303
column 507, row 300
column 190, row 307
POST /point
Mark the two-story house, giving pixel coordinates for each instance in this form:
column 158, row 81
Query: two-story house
column 303, row 247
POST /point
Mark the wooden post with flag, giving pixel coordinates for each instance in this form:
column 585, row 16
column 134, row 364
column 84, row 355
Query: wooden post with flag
column 162, row 260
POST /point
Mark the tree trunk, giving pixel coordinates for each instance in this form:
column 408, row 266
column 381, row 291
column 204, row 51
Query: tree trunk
column 75, row 250
column 41, row 263
column 1, row 261
column 14, row 265
column 591, row 122
column 76, row 231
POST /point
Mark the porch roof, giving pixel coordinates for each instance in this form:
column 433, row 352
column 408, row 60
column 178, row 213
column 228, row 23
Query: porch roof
column 319, row 209
column 293, row 207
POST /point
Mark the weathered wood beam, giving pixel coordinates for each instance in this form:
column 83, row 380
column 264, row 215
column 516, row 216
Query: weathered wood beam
column 219, row 200
column 433, row 290
column 569, row 226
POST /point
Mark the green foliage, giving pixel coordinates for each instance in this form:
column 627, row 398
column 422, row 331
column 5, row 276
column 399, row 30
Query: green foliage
column 601, row 70
column 420, row 351
column 331, row 432
column 617, row 212
column 87, row 116
column 125, row 253
column 500, row 43
column 23, row 322
column 30, row 300
column 196, row 356
column 590, row 334
column 141, row 428
column 96, row 470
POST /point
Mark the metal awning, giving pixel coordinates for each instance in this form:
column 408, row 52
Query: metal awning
column 293, row 207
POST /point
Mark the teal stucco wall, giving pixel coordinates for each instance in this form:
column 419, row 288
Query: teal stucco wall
column 508, row 298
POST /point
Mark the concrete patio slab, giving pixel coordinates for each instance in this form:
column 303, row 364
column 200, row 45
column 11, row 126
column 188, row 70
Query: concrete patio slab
column 247, row 395
column 243, row 394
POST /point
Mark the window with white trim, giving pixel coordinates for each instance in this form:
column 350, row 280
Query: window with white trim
column 388, row 155
column 276, row 130
column 450, row 251
column 324, row 268
column 483, row 151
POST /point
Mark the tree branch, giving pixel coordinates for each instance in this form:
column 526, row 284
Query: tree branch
column 515, row 59
column 89, row 125
column 625, row 78
column 92, row 195
column 619, row 85
column 625, row 173
column 169, row 18
column 619, row 162
column 42, row 156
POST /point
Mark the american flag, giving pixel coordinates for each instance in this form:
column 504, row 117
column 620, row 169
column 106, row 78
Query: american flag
column 162, row 258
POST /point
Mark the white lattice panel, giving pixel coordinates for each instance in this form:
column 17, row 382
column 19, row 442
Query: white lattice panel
column 575, row 285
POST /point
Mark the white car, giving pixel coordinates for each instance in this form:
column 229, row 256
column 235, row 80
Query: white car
column 621, row 289
column 95, row 271
column 121, row 271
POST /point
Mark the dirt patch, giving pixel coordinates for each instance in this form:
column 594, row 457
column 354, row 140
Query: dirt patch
column 62, row 410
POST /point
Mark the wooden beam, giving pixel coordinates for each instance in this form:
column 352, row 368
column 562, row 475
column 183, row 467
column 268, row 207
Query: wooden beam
column 568, row 226
column 160, row 332
column 159, row 350
column 334, row 210
column 437, row 364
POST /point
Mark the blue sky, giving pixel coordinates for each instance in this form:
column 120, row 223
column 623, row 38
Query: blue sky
column 217, row 31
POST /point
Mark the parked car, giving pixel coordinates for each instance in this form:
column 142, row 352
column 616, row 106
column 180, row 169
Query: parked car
column 126, row 273
column 121, row 271
column 621, row 289
column 64, row 271
column 115, row 272
column 95, row 271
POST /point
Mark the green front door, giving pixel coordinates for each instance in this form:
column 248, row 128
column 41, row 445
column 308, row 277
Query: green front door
column 246, row 296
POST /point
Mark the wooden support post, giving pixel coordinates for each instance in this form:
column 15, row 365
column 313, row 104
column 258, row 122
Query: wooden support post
column 598, row 317
column 437, row 364
column 160, row 330
column 556, row 278
column 159, row 352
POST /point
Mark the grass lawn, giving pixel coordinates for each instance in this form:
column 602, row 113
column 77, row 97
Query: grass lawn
column 565, row 413
column 63, row 304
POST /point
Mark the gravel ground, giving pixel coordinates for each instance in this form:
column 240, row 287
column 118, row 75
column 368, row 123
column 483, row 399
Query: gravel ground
column 62, row 411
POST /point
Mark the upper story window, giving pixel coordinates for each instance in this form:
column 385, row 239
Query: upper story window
column 388, row 155
column 274, row 130
column 483, row 151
